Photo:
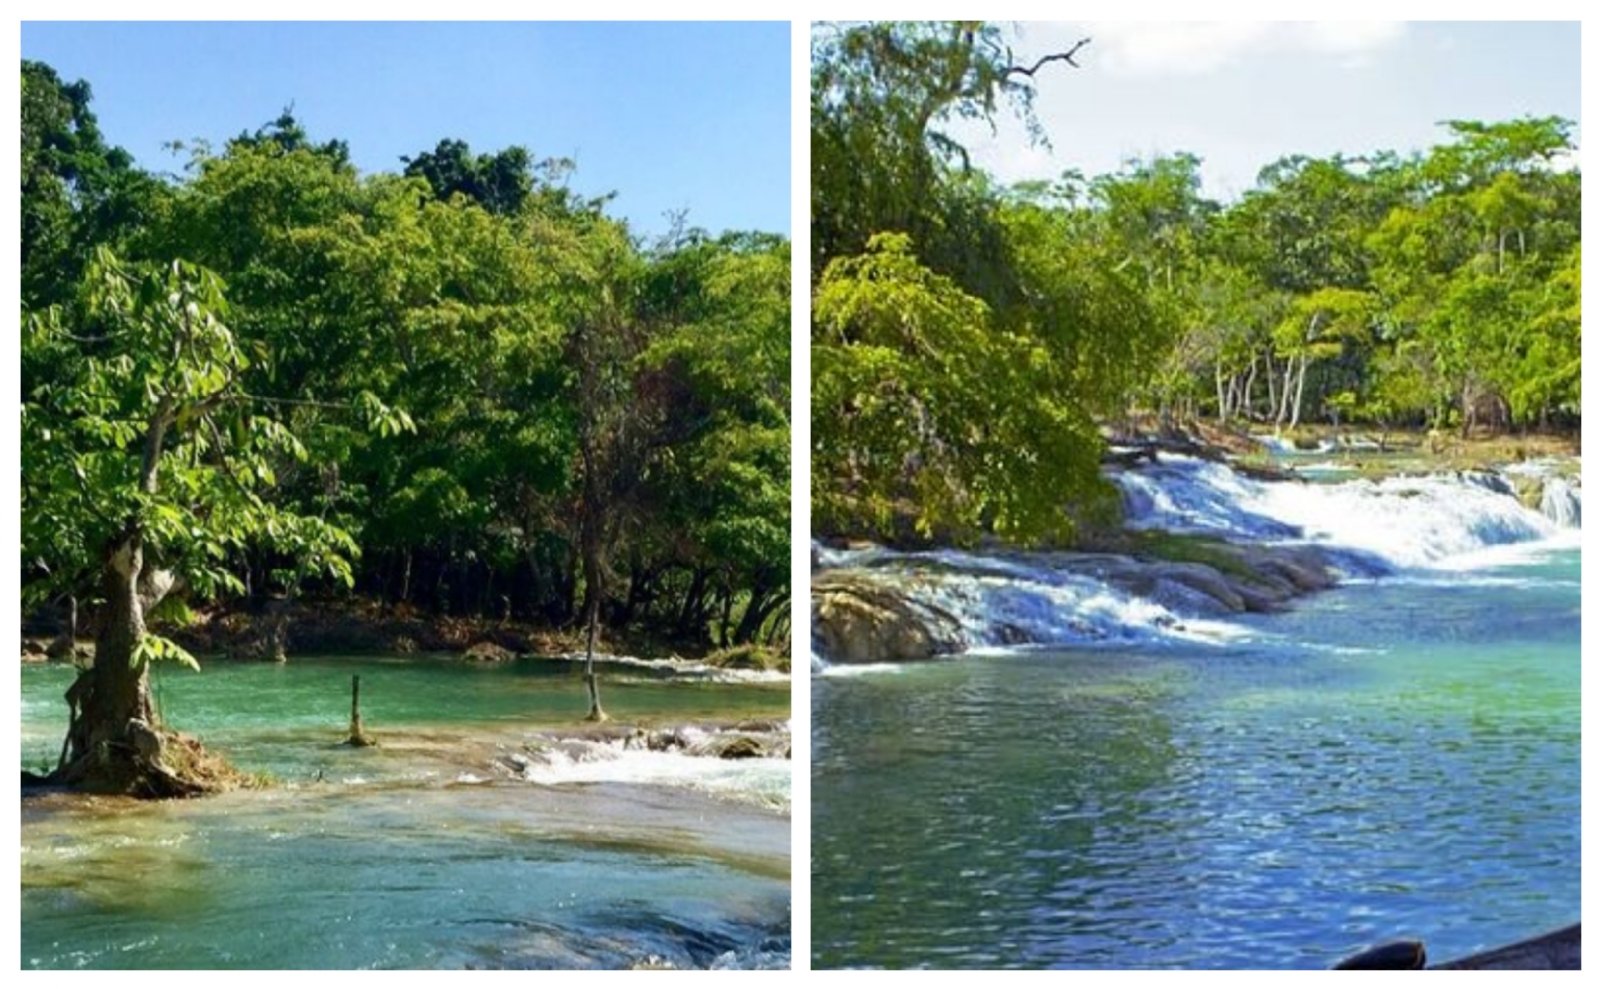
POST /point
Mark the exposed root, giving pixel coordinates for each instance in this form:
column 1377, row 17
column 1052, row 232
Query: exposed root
column 151, row 763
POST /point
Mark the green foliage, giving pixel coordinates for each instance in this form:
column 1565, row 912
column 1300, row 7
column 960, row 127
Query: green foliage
column 76, row 191
column 920, row 402
column 388, row 399
column 135, row 423
column 156, row 649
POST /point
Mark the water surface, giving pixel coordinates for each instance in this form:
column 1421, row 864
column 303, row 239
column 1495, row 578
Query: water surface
column 1396, row 757
column 427, row 851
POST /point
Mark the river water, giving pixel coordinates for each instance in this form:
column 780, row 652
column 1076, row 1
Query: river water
column 1397, row 757
column 465, row 839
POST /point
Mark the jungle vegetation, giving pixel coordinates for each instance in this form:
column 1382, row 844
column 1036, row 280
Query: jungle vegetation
column 458, row 387
column 971, row 339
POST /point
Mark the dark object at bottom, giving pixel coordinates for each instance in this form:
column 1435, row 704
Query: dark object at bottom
column 1395, row 954
column 1561, row 949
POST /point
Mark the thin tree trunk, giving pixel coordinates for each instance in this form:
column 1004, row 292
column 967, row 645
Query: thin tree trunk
column 1272, row 386
column 1249, row 386
column 1288, row 388
column 591, row 681
column 593, row 590
column 1299, row 391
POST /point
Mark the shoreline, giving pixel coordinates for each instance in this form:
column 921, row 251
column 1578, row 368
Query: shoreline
column 278, row 631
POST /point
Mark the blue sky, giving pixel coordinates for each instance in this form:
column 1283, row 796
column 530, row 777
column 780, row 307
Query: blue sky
column 1242, row 94
column 669, row 116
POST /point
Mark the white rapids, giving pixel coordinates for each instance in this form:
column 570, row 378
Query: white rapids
column 1399, row 525
column 1401, row 522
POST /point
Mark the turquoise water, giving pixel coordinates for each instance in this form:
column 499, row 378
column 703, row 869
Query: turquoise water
column 422, row 852
column 1395, row 758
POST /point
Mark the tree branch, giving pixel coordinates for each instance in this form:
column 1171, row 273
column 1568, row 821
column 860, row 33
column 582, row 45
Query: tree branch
column 1066, row 56
column 312, row 402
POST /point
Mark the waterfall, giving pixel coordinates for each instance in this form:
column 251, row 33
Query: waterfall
column 1002, row 601
column 1561, row 503
column 1359, row 527
column 1402, row 522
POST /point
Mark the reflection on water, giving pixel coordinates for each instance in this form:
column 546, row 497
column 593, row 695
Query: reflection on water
column 393, row 859
column 1393, row 758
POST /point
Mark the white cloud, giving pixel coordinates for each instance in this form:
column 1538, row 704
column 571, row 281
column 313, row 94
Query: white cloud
column 1188, row 48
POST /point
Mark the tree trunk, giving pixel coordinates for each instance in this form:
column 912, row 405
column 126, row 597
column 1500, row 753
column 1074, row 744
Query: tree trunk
column 114, row 741
column 691, row 603
column 1299, row 391
column 762, row 603
column 1249, row 386
column 592, row 593
column 591, row 681
column 1272, row 385
column 1288, row 389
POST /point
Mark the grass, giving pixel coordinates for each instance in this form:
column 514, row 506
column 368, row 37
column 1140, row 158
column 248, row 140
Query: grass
column 750, row 656
column 1174, row 547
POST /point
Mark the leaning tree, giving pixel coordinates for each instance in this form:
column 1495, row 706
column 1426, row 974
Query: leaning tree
column 147, row 468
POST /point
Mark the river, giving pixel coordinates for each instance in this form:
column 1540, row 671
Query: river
column 1397, row 757
column 466, row 838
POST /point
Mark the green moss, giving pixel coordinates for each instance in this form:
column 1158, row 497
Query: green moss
column 1176, row 547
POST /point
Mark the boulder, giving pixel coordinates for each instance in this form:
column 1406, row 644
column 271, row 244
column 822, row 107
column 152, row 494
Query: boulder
column 731, row 747
column 488, row 652
column 858, row 619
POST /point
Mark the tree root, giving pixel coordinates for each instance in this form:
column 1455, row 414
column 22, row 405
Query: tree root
column 150, row 763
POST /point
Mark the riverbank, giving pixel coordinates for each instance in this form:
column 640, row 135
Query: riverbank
column 363, row 627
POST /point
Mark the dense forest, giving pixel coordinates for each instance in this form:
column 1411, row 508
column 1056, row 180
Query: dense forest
column 459, row 388
column 970, row 340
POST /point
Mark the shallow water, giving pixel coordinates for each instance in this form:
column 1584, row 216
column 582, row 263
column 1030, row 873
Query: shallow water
column 426, row 851
column 1396, row 757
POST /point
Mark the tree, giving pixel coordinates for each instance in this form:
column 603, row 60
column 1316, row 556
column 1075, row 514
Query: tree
column 76, row 190
column 501, row 183
column 923, row 406
column 144, row 452
column 612, row 426
column 881, row 160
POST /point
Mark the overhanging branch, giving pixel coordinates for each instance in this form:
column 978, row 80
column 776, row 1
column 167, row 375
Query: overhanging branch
column 1067, row 56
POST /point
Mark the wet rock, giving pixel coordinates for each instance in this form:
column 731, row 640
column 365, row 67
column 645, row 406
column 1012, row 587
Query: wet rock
column 731, row 747
column 858, row 620
column 488, row 652
column 65, row 647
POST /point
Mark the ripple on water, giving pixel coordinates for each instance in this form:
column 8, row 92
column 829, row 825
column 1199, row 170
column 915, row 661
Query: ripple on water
column 1273, row 805
column 380, row 858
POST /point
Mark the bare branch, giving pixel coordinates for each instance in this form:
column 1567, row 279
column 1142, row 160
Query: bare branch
column 311, row 402
column 1066, row 56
